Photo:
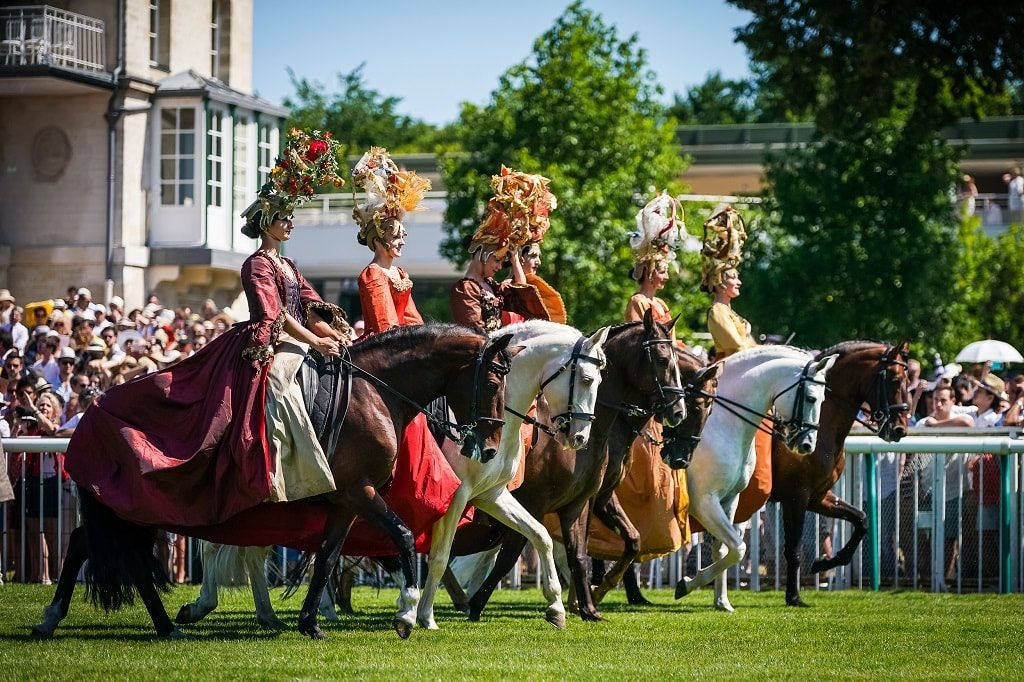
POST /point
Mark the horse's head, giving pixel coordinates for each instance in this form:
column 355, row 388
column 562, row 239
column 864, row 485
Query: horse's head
column 701, row 384
column 888, row 395
column 571, row 387
column 799, row 405
column 481, row 411
column 659, row 372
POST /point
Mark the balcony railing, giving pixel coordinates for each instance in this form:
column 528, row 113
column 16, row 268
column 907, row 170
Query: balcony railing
column 41, row 35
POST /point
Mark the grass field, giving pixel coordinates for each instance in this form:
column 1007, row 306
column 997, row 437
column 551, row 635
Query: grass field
column 845, row 635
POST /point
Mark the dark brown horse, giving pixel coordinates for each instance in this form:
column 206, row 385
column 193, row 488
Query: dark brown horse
column 409, row 366
column 865, row 372
column 642, row 366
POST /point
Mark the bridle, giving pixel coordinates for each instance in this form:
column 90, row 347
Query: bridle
column 667, row 395
column 563, row 421
column 884, row 412
column 793, row 428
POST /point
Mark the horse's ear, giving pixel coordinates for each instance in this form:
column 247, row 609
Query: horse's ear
column 649, row 320
column 513, row 351
column 601, row 335
column 672, row 323
column 708, row 373
column 499, row 344
column 823, row 364
column 903, row 348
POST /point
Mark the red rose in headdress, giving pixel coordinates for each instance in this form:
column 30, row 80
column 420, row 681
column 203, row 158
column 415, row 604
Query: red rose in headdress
column 317, row 148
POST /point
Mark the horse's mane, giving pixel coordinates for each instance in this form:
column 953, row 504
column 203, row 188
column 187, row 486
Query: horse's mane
column 535, row 327
column 766, row 350
column 404, row 338
column 850, row 346
column 616, row 329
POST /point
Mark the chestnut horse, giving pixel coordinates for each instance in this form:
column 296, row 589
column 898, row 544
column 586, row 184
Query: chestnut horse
column 865, row 372
column 394, row 372
column 646, row 377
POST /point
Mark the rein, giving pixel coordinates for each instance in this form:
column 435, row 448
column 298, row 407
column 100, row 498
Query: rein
column 883, row 412
column 453, row 431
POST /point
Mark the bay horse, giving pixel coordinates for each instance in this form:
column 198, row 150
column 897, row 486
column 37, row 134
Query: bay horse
column 565, row 367
column 864, row 372
column 646, row 376
column 751, row 383
column 393, row 374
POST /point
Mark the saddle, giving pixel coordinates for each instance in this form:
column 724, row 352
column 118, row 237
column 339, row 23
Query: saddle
column 326, row 385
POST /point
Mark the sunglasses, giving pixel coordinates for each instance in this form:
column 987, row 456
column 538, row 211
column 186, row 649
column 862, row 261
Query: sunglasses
column 67, row 361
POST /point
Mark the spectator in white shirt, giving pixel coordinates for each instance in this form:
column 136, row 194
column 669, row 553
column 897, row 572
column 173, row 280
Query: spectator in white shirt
column 19, row 332
column 84, row 307
column 990, row 390
column 46, row 361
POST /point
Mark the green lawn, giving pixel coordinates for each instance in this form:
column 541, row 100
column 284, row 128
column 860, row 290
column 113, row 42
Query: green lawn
column 846, row 634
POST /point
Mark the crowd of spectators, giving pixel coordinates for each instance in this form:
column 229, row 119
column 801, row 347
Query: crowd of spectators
column 57, row 356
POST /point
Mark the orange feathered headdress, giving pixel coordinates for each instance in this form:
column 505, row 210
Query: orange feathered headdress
column 516, row 215
column 390, row 194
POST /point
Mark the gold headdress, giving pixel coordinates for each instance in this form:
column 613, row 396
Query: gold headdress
column 659, row 226
column 724, row 235
column 390, row 194
column 516, row 215
column 308, row 160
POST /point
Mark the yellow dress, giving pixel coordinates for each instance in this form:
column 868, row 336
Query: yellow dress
column 652, row 494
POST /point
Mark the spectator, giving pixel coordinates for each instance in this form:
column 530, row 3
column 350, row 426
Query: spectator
column 1015, row 195
column 84, row 333
column 967, row 195
column 1014, row 416
column 84, row 307
column 46, row 361
column 14, row 368
column 85, row 400
column 101, row 322
column 6, row 306
column 6, row 344
column 66, row 361
column 116, row 311
column 963, row 391
column 114, row 351
column 38, row 334
column 19, row 332
column 986, row 398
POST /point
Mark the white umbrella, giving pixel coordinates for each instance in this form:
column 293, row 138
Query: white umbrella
column 989, row 350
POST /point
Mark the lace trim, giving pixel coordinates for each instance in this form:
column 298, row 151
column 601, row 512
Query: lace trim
column 401, row 283
column 332, row 314
column 265, row 353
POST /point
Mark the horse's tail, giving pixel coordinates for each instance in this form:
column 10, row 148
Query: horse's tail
column 225, row 565
column 296, row 576
column 118, row 550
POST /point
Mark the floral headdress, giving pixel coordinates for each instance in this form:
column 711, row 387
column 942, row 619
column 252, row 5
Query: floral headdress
column 390, row 194
column 659, row 226
column 517, row 214
column 308, row 160
column 724, row 235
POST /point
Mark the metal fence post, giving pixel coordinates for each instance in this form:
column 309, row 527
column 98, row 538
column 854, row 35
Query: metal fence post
column 871, row 499
column 1005, row 519
column 755, row 552
column 938, row 569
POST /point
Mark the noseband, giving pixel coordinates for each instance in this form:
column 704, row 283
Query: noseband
column 667, row 395
column 884, row 412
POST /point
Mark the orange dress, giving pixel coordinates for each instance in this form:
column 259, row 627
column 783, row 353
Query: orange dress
column 653, row 495
column 423, row 482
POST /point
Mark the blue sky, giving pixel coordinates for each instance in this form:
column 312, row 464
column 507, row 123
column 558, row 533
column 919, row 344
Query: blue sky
column 435, row 55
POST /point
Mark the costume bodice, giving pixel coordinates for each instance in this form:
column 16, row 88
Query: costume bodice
column 386, row 300
column 730, row 332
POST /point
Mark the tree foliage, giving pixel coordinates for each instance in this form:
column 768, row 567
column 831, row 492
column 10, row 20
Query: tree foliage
column 359, row 116
column 581, row 110
column 716, row 101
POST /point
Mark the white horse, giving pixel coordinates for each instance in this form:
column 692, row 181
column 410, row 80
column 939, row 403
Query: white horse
column 750, row 384
column 553, row 361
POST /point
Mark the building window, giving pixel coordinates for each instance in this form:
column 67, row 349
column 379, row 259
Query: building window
column 215, row 159
column 265, row 155
column 177, row 156
column 220, row 39
column 240, row 181
column 160, row 33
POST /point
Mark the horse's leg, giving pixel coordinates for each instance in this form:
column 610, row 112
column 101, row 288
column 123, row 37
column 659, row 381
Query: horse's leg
column 719, row 551
column 215, row 559
column 78, row 552
column 442, row 535
column 631, row 583
column 338, row 526
column 835, row 508
column 370, row 505
column 611, row 514
column 255, row 559
column 460, row 600
column 510, row 550
column 141, row 568
column 471, row 571
column 503, row 507
column 718, row 522
column 793, row 512
column 574, row 534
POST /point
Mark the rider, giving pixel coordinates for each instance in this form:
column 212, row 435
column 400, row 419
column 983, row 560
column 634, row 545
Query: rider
column 225, row 429
column 422, row 475
column 724, row 235
column 530, row 257
column 653, row 496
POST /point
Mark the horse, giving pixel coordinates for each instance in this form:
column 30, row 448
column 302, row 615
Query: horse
column 393, row 374
column 791, row 381
column 864, row 372
column 565, row 367
column 646, row 376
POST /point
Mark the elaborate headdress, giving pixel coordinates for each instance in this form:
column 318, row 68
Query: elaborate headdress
column 659, row 225
column 308, row 160
column 724, row 235
column 390, row 194
column 516, row 215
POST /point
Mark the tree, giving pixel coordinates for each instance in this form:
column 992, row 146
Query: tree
column 359, row 116
column 582, row 110
column 716, row 100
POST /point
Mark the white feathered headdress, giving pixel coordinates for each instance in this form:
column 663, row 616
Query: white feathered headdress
column 659, row 227
column 390, row 194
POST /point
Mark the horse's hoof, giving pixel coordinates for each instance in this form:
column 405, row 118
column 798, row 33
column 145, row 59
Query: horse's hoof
column 346, row 609
column 555, row 617
column 474, row 614
column 403, row 628
column 41, row 632
column 820, row 564
column 797, row 601
column 312, row 631
column 591, row 616
column 724, row 606
column 272, row 623
column 641, row 601
column 175, row 633
column 184, row 616
column 682, row 588
column 574, row 608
